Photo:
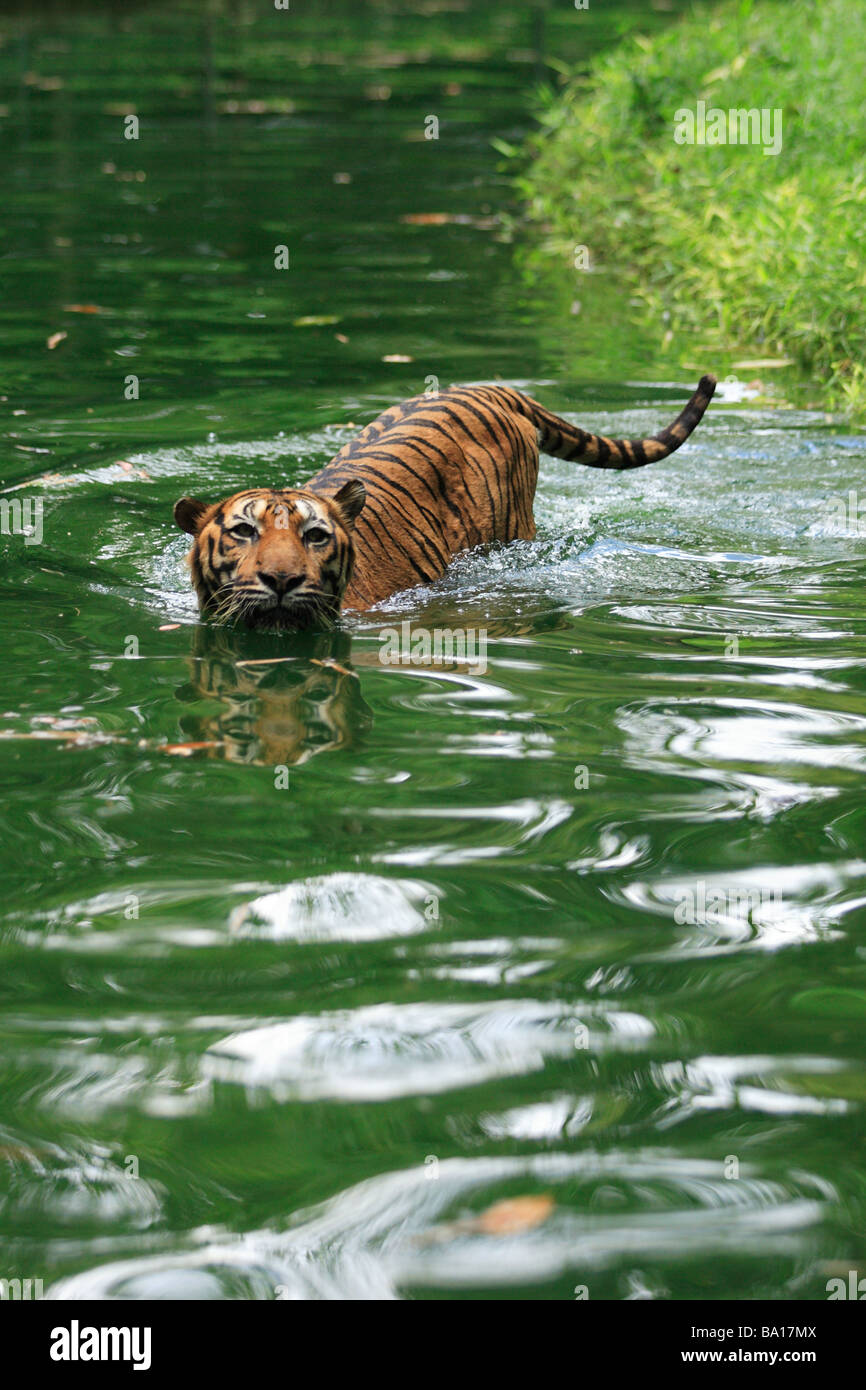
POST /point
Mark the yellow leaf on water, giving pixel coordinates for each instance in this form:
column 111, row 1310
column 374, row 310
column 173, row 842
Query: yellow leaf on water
column 426, row 219
column 330, row 665
column 515, row 1215
column 509, row 1218
column 266, row 661
column 55, row 338
column 185, row 750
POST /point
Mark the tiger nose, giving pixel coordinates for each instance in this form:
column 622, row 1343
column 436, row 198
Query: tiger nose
column 281, row 581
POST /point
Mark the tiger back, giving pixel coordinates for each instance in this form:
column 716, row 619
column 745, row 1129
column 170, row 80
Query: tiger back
column 449, row 472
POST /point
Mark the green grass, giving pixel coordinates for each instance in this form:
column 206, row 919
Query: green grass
column 749, row 252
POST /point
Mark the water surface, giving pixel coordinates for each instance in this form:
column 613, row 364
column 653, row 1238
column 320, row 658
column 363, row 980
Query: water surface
column 308, row 960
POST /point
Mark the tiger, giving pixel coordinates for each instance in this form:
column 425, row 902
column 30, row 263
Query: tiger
column 429, row 478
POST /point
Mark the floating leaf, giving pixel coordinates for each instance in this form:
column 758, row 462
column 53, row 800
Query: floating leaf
column 426, row 219
column 508, row 1218
column 515, row 1215
column 70, row 738
column 265, row 661
column 332, row 666
column 185, row 750
column 51, row 343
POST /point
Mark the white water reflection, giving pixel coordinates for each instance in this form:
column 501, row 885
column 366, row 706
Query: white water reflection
column 386, row 1051
column 395, row 1232
column 761, row 909
column 339, row 907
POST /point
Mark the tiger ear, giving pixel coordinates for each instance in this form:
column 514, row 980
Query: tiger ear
column 350, row 499
column 188, row 513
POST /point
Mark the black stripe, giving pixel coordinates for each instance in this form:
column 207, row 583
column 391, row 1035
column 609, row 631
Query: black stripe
column 411, row 560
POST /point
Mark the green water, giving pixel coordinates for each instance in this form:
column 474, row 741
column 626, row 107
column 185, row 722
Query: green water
column 395, row 944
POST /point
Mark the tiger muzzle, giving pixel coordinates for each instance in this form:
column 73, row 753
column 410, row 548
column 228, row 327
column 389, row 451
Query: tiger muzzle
column 281, row 582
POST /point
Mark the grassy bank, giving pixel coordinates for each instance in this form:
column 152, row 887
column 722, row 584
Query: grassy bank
column 723, row 247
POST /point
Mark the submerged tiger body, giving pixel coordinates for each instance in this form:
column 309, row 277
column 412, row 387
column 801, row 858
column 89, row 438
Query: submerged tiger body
column 429, row 478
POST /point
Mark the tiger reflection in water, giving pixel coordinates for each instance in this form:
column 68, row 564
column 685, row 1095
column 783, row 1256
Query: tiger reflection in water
column 272, row 712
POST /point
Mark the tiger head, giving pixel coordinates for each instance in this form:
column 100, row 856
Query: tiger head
column 278, row 558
